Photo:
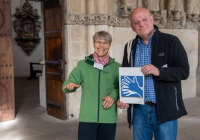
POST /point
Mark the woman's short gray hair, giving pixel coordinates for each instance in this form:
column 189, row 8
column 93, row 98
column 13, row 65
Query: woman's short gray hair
column 102, row 35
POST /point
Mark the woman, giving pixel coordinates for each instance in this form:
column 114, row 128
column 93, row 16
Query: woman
column 98, row 77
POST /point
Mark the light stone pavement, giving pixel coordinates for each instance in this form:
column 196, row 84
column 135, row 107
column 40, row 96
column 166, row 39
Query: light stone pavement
column 32, row 122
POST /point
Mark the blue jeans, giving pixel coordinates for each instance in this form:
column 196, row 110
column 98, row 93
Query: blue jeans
column 145, row 125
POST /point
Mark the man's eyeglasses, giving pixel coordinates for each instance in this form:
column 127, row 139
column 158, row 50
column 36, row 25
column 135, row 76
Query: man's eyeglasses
column 104, row 43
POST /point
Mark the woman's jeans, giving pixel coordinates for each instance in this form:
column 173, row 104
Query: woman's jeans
column 145, row 125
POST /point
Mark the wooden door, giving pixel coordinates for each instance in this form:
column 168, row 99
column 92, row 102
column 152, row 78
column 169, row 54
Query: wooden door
column 7, row 100
column 56, row 102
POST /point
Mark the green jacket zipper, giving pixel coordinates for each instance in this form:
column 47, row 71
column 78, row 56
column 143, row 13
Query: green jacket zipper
column 98, row 96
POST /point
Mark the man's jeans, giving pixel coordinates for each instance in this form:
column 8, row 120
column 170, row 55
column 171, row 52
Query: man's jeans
column 145, row 125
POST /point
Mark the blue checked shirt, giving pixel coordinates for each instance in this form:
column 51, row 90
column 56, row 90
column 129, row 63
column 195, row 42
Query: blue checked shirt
column 143, row 57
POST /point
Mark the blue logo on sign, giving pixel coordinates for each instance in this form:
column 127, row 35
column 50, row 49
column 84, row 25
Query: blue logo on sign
column 131, row 86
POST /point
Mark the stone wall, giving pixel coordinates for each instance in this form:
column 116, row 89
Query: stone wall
column 85, row 17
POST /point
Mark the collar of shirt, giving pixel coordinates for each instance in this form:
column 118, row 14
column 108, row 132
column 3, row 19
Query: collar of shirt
column 140, row 42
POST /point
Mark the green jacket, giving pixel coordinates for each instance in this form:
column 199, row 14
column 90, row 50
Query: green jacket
column 96, row 84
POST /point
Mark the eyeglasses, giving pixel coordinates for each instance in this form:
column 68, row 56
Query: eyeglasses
column 104, row 43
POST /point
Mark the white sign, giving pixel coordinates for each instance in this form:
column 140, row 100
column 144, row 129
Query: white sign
column 131, row 84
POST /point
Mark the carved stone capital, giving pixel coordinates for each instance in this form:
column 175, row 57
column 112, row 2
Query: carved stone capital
column 118, row 21
column 97, row 19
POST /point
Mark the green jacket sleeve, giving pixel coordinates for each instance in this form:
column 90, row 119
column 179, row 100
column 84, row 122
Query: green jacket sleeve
column 115, row 92
column 75, row 77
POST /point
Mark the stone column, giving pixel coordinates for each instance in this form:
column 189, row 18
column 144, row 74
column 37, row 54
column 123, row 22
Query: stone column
column 102, row 9
column 75, row 46
column 198, row 68
column 162, row 4
column 102, row 6
column 139, row 3
column 111, row 51
column 90, row 28
column 90, row 6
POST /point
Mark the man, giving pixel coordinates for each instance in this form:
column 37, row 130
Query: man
column 164, row 62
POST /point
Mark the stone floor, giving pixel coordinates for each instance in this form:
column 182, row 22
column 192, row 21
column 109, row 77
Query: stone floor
column 32, row 122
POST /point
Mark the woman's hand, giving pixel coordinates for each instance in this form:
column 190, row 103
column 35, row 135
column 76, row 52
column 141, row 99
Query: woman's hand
column 107, row 102
column 122, row 105
column 71, row 86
